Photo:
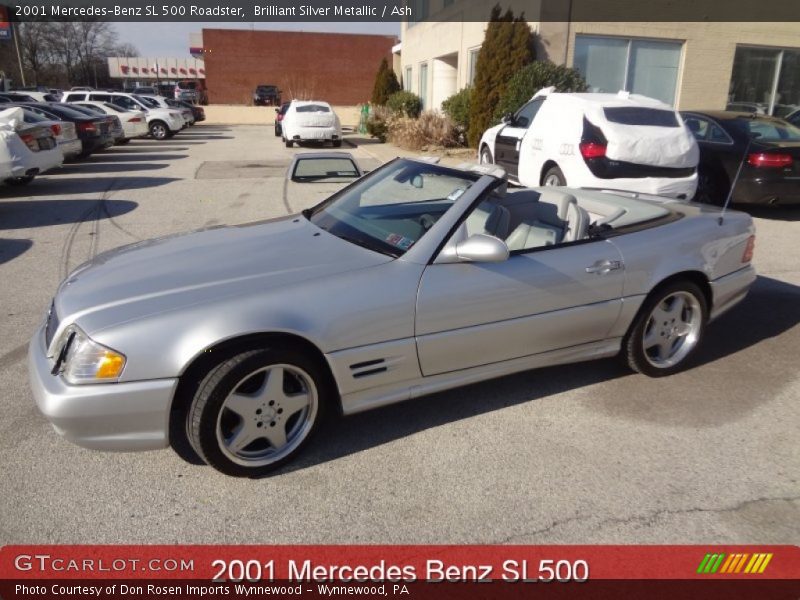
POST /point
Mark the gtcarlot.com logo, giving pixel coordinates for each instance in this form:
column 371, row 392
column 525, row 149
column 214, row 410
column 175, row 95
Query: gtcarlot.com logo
column 729, row 564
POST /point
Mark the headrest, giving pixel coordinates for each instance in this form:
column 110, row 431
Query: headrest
column 561, row 200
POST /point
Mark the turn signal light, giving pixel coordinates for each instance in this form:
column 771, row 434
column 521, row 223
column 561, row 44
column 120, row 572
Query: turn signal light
column 769, row 159
column 592, row 150
column 55, row 128
column 748, row 249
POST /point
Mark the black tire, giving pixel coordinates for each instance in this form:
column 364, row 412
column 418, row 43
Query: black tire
column 277, row 131
column 209, row 418
column 337, row 143
column 159, row 130
column 712, row 187
column 20, row 181
column 289, row 143
column 555, row 175
column 486, row 157
column 634, row 352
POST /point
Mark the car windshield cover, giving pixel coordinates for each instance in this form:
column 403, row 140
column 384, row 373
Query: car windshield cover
column 317, row 168
column 393, row 208
column 770, row 130
column 635, row 115
column 308, row 108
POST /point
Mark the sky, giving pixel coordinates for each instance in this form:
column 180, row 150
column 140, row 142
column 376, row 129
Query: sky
column 172, row 39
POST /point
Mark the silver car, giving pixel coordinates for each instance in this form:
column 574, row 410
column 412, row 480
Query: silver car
column 413, row 279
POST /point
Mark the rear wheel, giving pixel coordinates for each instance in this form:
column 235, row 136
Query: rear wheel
column 554, row 177
column 667, row 330
column 711, row 188
column 159, row 130
column 486, row 156
column 256, row 411
column 20, row 181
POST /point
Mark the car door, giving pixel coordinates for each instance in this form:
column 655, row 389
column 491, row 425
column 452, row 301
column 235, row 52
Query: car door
column 509, row 139
column 471, row 314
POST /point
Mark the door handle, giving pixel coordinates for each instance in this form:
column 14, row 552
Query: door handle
column 603, row 267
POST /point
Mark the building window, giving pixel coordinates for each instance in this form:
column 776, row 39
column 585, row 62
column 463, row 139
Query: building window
column 423, row 84
column 765, row 80
column 472, row 65
column 610, row 64
column 407, row 81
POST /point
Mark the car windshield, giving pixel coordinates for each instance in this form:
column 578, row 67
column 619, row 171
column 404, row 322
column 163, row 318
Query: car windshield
column 67, row 112
column 147, row 101
column 769, row 130
column 113, row 107
column 266, row 88
column 392, row 209
column 319, row 168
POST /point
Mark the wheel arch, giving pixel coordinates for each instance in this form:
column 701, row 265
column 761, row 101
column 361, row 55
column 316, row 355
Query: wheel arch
column 697, row 277
column 194, row 371
column 548, row 164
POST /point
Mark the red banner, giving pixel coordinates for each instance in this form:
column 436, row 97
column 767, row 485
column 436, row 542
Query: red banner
column 405, row 571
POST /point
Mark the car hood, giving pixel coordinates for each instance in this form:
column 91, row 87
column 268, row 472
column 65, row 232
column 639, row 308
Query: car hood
column 206, row 265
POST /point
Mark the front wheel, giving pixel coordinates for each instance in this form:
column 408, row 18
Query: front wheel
column 554, row 177
column 256, row 411
column 159, row 130
column 486, row 156
column 667, row 330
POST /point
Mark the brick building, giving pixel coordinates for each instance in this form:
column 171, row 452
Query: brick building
column 336, row 67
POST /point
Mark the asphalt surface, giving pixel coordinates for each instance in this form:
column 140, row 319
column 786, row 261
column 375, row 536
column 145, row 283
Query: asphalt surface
column 586, row 453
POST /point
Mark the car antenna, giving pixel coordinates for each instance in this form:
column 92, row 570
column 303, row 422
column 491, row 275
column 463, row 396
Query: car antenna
column 736, row 179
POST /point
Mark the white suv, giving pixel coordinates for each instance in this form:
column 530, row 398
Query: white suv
column 162, row 123
column 612, row 141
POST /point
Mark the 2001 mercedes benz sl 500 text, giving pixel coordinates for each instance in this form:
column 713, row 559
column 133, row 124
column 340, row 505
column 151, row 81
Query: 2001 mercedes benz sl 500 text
column 413, row 279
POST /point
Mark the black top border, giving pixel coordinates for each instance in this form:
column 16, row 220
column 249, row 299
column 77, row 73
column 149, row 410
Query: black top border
column 413, row 11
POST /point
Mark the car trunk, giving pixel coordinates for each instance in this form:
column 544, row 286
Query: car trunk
column 315, row 118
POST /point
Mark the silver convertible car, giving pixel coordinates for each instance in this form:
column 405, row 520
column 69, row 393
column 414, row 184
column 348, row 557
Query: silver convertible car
column 413, row 279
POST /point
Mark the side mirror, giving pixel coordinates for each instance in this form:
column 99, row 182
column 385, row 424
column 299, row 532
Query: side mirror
column 482, row 248
column 508, row 118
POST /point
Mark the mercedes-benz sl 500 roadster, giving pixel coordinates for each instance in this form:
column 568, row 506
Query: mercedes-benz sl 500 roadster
column 413, row 279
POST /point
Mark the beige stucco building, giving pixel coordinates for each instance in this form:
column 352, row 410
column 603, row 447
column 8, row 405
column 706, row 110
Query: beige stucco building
column 703, row 64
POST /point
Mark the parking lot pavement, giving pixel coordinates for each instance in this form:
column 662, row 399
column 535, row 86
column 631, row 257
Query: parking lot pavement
column 586, row 453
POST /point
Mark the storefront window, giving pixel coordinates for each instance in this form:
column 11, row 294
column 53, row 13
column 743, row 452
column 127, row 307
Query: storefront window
column 765, row 81
column 647, row 67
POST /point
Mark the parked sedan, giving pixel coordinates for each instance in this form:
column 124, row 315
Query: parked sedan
column 311, row 121
column 64, row 132
column 414, row 279
column 26, row 150
column 197, row 111
column 117, row 133
column 134, row 122
column 767, row 148
column 94, row 132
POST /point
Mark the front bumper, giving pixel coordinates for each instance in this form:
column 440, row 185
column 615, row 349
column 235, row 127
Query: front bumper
column 106, row 416
column 731, row 289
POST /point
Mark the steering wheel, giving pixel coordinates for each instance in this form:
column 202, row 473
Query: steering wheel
column 427, row 221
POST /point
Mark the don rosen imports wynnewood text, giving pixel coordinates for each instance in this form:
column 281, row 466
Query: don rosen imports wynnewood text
column 194, row 10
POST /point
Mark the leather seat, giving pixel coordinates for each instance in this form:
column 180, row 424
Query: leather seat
column 556, row 218
column 491, row 219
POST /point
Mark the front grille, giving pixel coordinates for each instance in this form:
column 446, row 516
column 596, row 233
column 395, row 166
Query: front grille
column 52, row 325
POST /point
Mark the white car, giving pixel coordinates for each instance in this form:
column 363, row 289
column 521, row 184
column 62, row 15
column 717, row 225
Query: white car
column 134, row 122
column 161, row 102
column 64, row 131
column 162, row 123
column 25, row 150
column 609, row 141
column 311, row 120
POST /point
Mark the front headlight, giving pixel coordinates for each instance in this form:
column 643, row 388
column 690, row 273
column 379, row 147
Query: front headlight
column 86, row 361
